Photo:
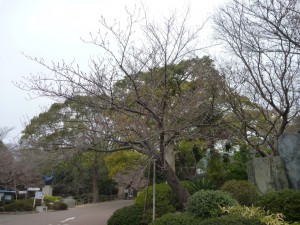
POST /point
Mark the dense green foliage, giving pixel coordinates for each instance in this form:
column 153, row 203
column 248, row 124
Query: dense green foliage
column 198, row 184
column 65, row 129
column 237, row 169
column 188, row 154
column 49, row 199
column 166, row 201
column 177, row 219
column 253, row 212
column 230, row 220
column 18, row 205
column 59, row 206
column 243, row 191
column 74, row 177
column 286, row 202
column 123, row 161
column 207, row 203
column 216, row 168
column 129, row 215
column 52, row 202
column 186, row 219
column 222, row 167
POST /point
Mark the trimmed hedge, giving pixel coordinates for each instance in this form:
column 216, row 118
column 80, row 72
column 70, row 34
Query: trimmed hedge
column 243, row 191
column 52, row 202
column 285, row 201
column 206, row 203
column 129, row 215
column 18, row 205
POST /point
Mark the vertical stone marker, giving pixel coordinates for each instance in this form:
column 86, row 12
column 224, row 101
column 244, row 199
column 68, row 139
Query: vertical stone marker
column 47, row 189
column 289, row 151
column 267, row 173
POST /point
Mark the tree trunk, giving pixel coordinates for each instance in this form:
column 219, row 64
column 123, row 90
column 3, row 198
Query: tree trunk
column 170, row 156
column 95, row 181
column 174, row 182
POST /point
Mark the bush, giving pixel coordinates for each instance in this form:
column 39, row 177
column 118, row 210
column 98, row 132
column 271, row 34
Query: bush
column 216, row 168
column 59, row 206
column 198, row 184
column 286, row 202
column 129, row 215
column 49, row 199
column 18, row 205
column 230, row 220
column 255, row 213
column 207, row 203
column 176, row 219
column 165, row 201
column 243, row 191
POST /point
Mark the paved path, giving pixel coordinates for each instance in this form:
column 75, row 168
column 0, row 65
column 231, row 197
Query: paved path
column 92, row 214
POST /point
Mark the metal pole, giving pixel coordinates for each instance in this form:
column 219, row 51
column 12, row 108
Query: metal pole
column 154, row 180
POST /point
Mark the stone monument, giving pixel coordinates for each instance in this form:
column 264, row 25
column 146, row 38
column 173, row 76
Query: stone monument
column 267, row 173
column 69, row 201
column 47, row 189
column 289, row 151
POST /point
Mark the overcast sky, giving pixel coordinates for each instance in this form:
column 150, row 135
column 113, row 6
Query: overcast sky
column 52, row 29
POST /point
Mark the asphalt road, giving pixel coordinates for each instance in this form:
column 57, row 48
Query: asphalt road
column 92, row 214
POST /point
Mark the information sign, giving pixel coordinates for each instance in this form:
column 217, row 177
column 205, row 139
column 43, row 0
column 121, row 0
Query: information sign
column 39, row 195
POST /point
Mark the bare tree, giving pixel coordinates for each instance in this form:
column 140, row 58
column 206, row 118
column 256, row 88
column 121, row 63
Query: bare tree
column 262, row 39
column 15, row 170
column 4, row 132
column 148, row 83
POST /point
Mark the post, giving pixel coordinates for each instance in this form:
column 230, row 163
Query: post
column 16, row 189
column 153, row 192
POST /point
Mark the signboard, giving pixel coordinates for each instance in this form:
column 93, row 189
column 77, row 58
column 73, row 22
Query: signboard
column 33, row 189
column 39, row 195
column 22, row 192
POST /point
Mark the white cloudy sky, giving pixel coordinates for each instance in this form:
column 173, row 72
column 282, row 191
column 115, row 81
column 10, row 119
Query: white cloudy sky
column 52, row 29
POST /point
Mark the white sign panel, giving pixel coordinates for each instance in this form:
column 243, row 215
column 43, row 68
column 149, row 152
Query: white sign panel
column 33, row 189
column 39, row 195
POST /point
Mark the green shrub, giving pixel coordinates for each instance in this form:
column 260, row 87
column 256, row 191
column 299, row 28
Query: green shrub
column 59, row 206
column 129, row 215
column 243, row 191
column 206, row 203
column 198, row 184
column 31, row 200
column 176, row 219
column 286, row 202
column 165, row 201
column 53, row 199
column 255, row 213
column 216, row 168
column 18, row 205
column 230, row 220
